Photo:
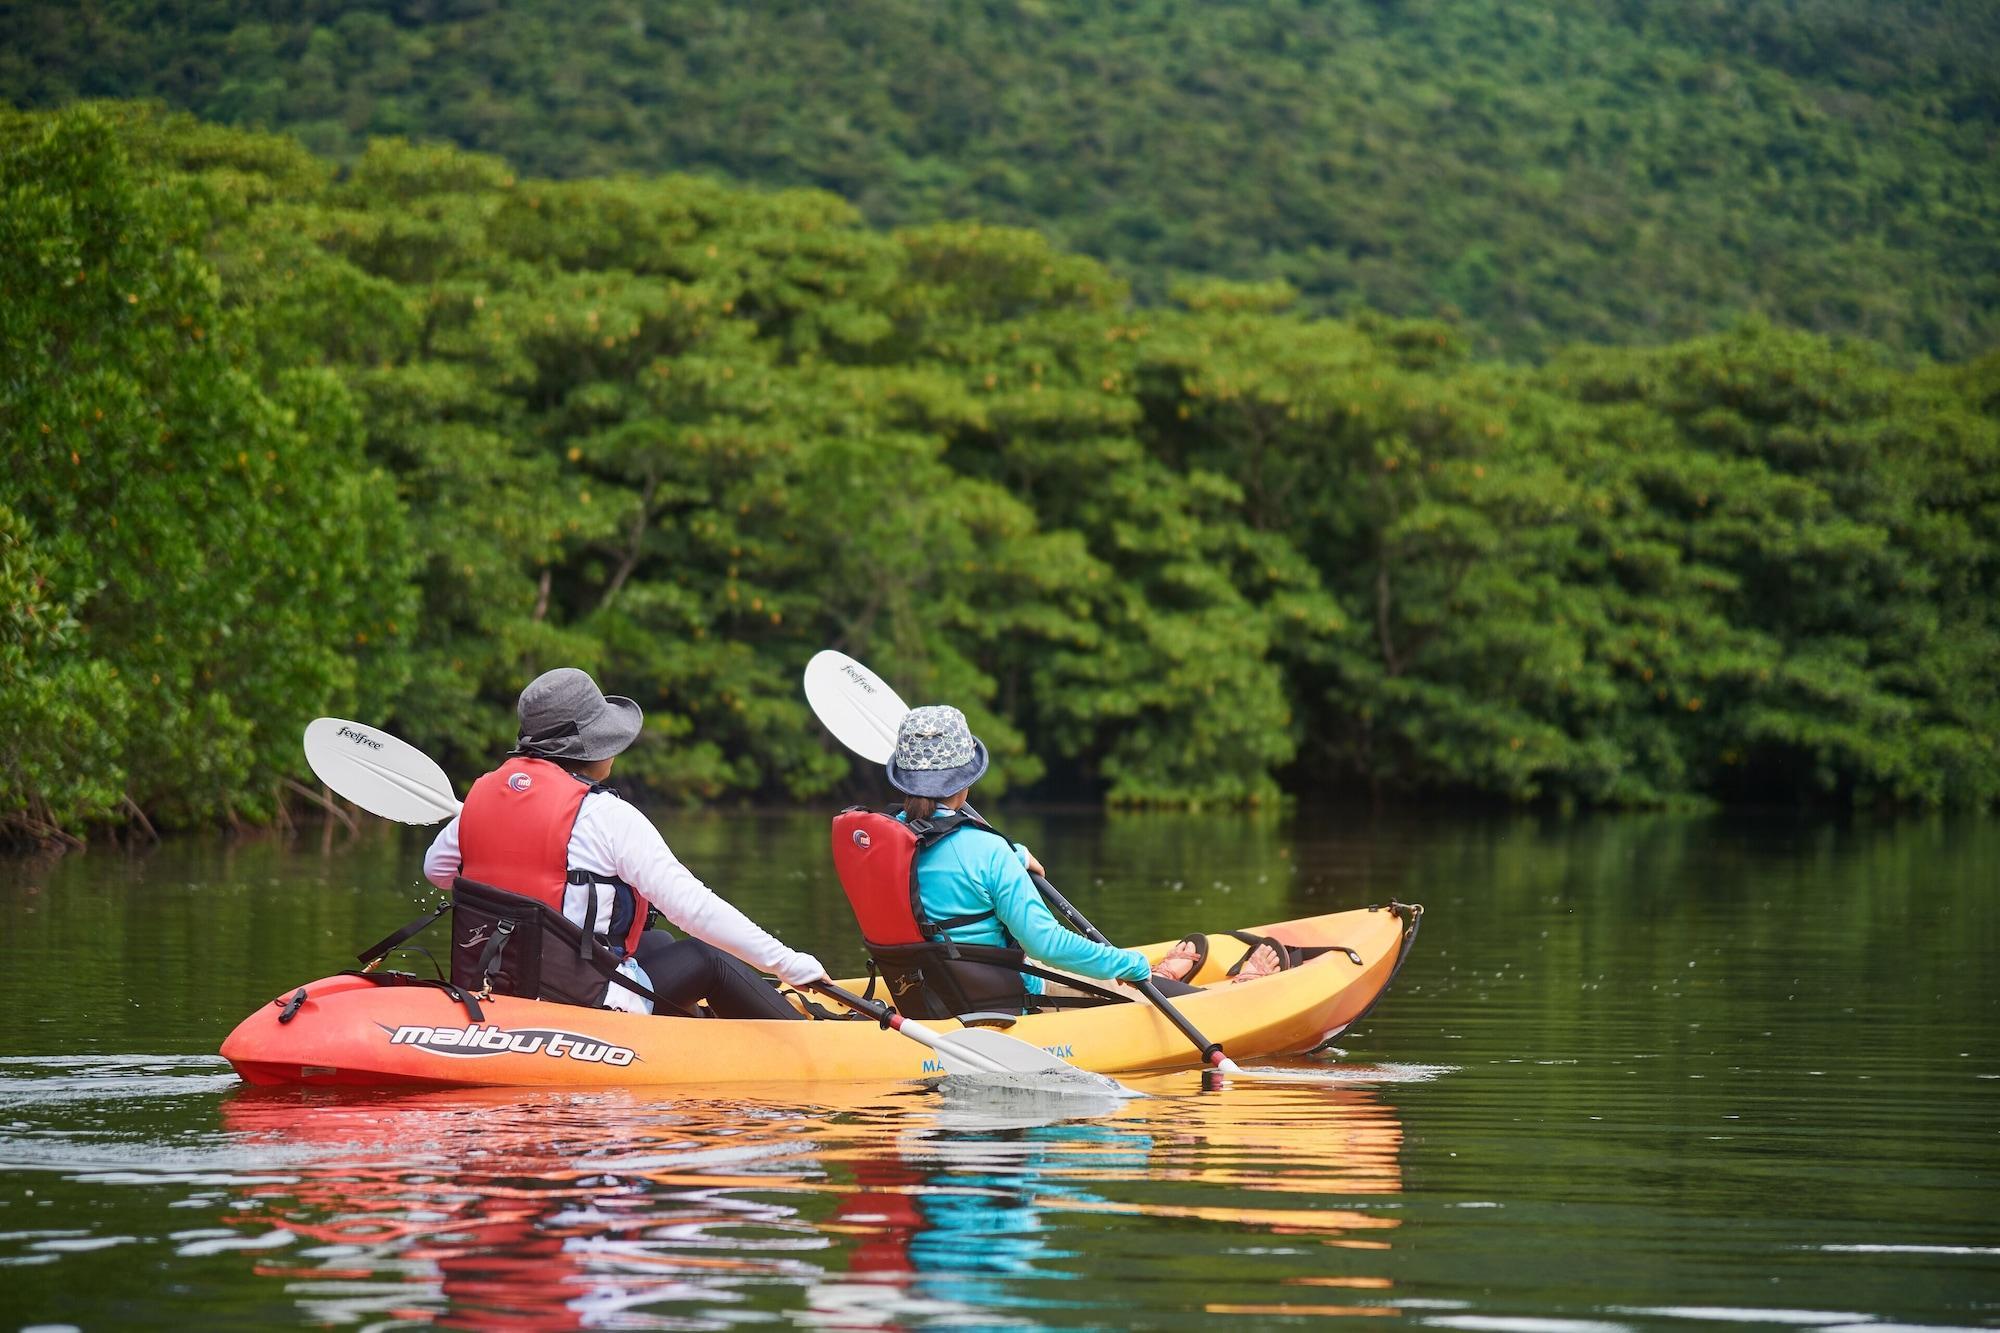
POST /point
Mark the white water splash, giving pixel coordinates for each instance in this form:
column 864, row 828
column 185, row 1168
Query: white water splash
column 1909, row 1249
column 1729, row 1314
column 1348, row 1074
column 1525, row 1324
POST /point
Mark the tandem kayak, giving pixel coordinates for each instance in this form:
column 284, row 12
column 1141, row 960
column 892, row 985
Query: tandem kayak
column 351, row 1030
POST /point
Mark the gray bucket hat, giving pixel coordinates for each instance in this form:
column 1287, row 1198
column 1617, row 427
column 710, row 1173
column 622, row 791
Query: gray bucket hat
column 936, row 753
column 565, row 716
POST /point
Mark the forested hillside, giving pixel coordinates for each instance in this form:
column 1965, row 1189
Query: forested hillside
column 1546, row 174
column 387, row 440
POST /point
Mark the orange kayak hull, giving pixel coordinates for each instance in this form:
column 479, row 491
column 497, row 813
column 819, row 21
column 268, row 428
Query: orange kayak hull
column 348, row 1031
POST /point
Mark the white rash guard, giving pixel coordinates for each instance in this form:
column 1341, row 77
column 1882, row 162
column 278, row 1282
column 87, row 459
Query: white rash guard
column 612, row 839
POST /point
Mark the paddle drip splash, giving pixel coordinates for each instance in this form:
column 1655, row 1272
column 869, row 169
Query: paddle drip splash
column 1332, row 1075
column 1069, row 1082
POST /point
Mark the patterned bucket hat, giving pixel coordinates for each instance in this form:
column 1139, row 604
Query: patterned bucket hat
column 565, row 716
column 936, row 753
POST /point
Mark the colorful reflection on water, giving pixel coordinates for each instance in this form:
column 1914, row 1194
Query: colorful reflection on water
column 1641, row 1076
column 864, row 1207
column 889, row 1205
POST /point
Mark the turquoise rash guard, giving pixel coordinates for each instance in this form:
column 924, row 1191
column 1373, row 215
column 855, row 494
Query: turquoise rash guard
column 972, row 872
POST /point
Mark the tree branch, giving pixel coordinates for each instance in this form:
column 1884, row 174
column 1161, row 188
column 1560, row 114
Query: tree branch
column 636, row 544
column 324, row 800
column 132, row 807
column 1389, row 661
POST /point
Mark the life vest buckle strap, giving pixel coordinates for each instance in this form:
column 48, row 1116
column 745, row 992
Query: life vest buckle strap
column 934, row 927
column 589, row 932
column 615, row 934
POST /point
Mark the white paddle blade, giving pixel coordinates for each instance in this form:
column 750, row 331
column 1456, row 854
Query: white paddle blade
column 379, row 773
column 1004, row 1053
column 855, row 704
column 1015, row 1064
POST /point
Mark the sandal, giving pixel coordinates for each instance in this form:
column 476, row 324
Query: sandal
column 1287, row 958
column 1199, row 943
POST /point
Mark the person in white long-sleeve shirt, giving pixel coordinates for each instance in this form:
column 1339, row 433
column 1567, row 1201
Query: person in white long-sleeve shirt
column 615, row 861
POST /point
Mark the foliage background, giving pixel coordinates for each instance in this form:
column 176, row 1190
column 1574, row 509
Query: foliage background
column 385, row 434
column 1549, row 173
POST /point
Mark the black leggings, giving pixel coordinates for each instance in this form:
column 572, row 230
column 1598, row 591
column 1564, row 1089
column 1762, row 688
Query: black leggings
column 686, row 972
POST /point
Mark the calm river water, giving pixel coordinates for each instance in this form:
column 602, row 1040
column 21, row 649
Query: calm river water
column 1640, row 1073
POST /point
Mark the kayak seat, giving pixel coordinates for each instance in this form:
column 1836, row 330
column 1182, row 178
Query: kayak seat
column 506, row 944
column 944, row 979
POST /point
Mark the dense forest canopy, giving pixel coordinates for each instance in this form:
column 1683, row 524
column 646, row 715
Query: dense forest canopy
column 387, row 438
column 1541, row 174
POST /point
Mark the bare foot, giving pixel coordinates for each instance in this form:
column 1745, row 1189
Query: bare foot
column 1262, row 962
column 1178, row 962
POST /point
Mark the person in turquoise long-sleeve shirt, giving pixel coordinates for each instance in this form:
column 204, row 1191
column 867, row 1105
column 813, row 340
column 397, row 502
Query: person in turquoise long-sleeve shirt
column 972, row 874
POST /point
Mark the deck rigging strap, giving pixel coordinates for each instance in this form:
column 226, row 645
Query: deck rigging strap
column 373, row 954
column 1292, row 954
column 464, row 997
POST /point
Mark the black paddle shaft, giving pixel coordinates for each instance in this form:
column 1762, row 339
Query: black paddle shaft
column 1210, row 1051
column 874, row 1009
column 1064, row 908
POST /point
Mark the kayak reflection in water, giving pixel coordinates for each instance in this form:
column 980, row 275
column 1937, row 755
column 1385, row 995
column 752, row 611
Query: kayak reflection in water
column 982, row 1209
column 947, row 905
column 544, row 826
column 874, row 1208
column 973, row 1218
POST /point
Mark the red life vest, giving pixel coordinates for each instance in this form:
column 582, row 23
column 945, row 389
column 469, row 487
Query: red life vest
column 514, row 834
column 929, row 974
column 875, row 856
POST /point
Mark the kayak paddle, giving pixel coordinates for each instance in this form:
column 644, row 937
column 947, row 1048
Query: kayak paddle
column 863, row 713
column 379, row 773
column 395, row 780
column 855, row 704
column 969, row 1051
